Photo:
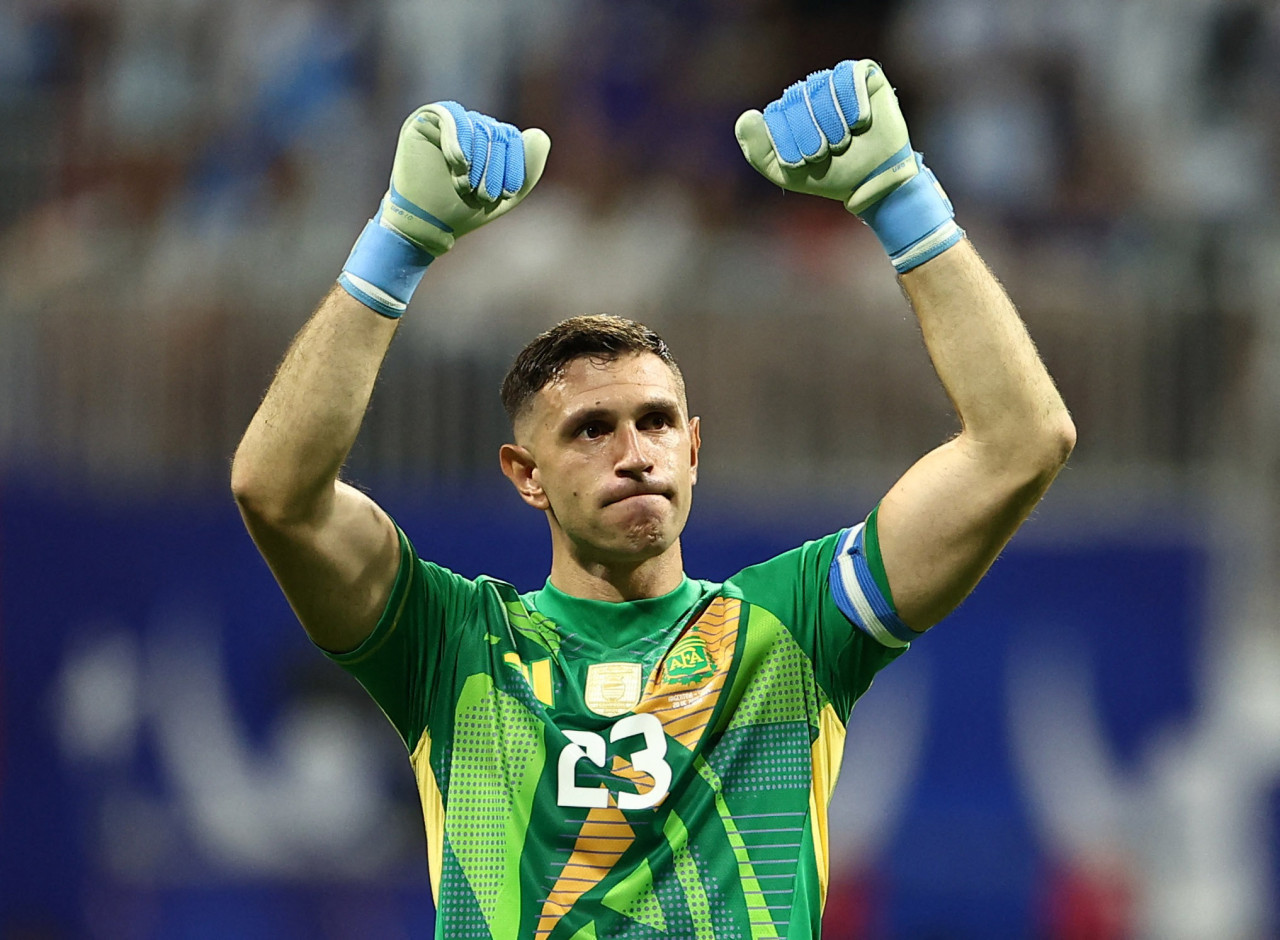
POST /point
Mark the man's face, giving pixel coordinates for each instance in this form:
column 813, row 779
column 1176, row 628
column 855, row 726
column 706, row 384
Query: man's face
column 613, row 457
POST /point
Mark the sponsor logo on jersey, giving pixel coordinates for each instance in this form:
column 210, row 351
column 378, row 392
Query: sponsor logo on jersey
column 613, row 688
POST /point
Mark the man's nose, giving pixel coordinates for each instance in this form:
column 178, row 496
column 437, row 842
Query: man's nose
column 633, row 455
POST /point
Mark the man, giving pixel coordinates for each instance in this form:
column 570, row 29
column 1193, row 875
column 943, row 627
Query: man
column 628, row 752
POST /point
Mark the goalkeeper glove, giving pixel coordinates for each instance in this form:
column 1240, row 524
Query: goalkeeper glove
column 454, row 170
column 840, row 134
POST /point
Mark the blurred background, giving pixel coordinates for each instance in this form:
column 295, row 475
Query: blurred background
column 1088, row 748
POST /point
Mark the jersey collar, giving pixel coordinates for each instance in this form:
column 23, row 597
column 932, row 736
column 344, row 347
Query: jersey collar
column 617, row 624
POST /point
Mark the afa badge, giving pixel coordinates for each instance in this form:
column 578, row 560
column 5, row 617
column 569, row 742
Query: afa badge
column 613, row 688
column 688, row 663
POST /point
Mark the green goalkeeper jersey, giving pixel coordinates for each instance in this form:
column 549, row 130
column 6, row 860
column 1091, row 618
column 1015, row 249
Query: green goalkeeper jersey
column 658, row 768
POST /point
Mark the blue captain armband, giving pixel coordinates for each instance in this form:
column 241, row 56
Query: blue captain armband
column 383, row 269
column 856, row 592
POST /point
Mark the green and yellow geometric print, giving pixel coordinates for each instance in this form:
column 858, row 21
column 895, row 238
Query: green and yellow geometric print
column 654, row 769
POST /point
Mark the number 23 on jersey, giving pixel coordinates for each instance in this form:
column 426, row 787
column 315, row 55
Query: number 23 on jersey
column 587, row 746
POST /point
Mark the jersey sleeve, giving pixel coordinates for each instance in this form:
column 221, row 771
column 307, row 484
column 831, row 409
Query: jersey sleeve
column 402, row 664
column 803, row 589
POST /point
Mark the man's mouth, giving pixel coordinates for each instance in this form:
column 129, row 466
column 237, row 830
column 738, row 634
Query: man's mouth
column 636, row 495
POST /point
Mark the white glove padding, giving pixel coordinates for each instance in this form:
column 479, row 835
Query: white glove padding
column 840, row 134
column 454, row 170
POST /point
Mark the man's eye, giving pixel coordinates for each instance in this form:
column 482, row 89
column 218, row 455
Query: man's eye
column 591, row 431
column 657, row 421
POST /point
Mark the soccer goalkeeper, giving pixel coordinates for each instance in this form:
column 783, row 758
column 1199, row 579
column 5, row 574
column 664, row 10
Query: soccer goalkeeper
column 628, row 751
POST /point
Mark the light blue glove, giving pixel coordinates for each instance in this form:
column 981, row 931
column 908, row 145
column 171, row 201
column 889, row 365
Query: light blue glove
column 840, row 134
column 454, row 170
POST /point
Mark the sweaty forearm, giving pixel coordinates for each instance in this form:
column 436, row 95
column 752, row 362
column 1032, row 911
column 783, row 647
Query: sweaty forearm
column 288, row 461
column 1006, row 401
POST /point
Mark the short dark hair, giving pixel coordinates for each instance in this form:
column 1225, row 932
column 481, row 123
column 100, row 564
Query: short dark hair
column 598, row 336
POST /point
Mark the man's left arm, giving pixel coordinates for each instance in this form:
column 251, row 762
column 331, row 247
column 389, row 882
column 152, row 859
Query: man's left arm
column 944, row 522
column 840, row 134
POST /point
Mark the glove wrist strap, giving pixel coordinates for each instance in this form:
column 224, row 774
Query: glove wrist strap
column 915, row 222
column 383, row 269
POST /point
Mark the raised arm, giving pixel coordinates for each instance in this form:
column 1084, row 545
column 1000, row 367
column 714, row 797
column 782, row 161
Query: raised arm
column 945, row 521
column 840, row 134
column 332, row 549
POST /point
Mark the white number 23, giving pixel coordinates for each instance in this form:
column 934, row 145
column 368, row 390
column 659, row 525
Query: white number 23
column 587, row 745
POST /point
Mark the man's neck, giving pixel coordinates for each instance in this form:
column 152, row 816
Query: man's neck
column 630, row 581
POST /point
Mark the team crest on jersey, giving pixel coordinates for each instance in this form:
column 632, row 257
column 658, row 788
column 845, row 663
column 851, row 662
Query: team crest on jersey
column 688, row 663
column 613, row 688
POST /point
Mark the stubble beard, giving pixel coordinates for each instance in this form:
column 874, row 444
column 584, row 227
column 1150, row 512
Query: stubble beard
column 640, row 539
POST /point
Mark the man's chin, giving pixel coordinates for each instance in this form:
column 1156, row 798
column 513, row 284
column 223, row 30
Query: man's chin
column 644, row 539
column 643, row 535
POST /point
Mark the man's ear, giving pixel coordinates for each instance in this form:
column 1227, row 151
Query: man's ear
column 695, row 444
column 521, row 469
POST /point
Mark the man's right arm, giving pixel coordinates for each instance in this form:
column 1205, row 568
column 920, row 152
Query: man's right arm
column 331, row 548
column 334, row 552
